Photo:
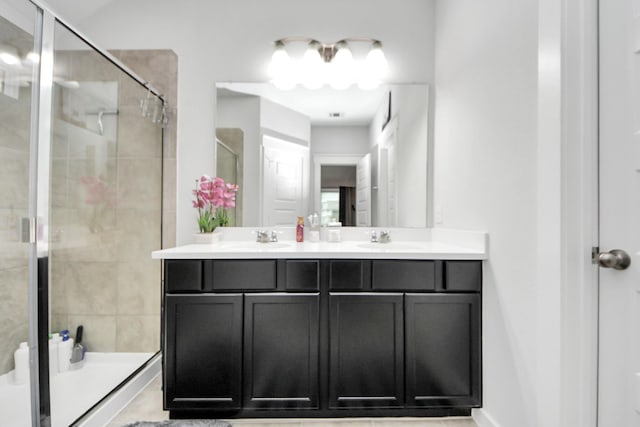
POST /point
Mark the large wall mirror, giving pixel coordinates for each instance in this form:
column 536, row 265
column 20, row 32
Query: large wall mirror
column 354, row 156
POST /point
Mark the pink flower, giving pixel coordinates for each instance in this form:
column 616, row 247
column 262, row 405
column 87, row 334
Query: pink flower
column 212, row 197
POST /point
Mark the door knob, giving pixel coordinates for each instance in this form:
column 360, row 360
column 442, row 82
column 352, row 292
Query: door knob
column 615, row 258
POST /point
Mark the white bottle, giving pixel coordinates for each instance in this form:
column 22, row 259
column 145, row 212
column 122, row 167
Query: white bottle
column 21, row 359
column 54, row 340
column 64, row 353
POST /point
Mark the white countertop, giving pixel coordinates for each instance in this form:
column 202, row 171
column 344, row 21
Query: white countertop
column 239, row 243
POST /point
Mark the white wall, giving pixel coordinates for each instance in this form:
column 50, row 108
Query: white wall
column 244, row 113
column 285, row 121
column 347, row 140
column 485, row 179
column 410, row 107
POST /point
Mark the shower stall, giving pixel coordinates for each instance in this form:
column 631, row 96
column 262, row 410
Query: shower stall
column 81, row 184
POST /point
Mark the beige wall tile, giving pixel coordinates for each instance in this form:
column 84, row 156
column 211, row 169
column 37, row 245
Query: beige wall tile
column 138, row 333
column 169, row 229
column 14, row 287
column 99, row 331
column 14, row 178
column 138, row 136
column 60, row 322
column 139, row 183
column 169, row 185
column 139, row 287
column 58, row 301
column 91, row 287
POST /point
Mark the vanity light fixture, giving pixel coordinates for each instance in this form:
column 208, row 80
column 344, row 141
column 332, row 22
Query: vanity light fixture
column 333, row 64
column 9, row 55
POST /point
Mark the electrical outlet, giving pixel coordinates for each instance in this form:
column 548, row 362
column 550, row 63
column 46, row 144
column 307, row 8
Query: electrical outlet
column 438, row 216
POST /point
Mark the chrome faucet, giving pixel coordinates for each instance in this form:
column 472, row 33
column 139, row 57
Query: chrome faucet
column 384, row 237
column 262, row 236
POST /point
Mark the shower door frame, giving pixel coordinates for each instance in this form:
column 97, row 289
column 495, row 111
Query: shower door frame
column 40, row 143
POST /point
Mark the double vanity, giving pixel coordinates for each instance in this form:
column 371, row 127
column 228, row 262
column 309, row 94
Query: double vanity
column 326, row 329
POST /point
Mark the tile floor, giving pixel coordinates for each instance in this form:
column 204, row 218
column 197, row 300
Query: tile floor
column 147, row 406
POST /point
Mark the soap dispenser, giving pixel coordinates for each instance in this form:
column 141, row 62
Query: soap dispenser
column 300, row 230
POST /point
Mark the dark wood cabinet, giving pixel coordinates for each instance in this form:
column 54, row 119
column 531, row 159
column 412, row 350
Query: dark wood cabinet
column 366, row 351
column 322, row 338
column 203, row 351
column 403, row 275
column 442, row 342
column 349, row 275
column 281, row 351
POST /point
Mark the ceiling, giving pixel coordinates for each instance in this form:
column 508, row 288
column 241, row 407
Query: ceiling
column 233, row 39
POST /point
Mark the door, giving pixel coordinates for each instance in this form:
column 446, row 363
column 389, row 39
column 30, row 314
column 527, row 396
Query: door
column 366, row 350
column 284, row 169
column 442, row 344
column 203, row 351
column 619, row 158
column 363, row 192
column 281, row 351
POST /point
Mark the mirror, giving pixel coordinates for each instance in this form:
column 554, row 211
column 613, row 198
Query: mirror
column 354, row 156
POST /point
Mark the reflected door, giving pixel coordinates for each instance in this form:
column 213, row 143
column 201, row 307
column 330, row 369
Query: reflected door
column 363, row 192
column 283, row 179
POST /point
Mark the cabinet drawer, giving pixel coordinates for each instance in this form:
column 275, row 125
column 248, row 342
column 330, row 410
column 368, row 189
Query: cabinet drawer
column 181, row 275
column 396, row 275
column 464, row 276
column 302, row 275
column 349, row 275
column 242, row 275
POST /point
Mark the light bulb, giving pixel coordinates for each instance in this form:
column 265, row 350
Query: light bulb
column 281, row 68
column 342, row 69
column 313, row 67
column 280, row 61
column 9, row 58
column 33, row 57
column 376, row 63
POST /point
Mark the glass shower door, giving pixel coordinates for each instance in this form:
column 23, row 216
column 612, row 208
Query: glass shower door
column 18, row 61
column 105, row 218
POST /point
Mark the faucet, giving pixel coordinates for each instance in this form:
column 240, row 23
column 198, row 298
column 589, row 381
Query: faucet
column 262, row 236
column 384, row 237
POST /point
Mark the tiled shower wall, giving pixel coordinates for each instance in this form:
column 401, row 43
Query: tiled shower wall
column 14, row 167
column 15, row 115
column 102, row 275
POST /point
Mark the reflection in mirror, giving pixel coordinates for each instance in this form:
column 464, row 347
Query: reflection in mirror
column 229, row 154
column 381, row 135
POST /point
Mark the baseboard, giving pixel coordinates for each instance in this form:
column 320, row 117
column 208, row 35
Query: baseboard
column 483, row 419
column 107, row 410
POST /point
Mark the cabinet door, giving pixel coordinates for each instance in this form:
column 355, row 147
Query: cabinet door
column 442, row 335
column 203, row 351
column 281, row 351
column 366, row 351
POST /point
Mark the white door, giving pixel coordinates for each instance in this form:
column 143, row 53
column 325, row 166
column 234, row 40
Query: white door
column 619, row 299
column 363, row 192
column 284, row 168
column 388, row 145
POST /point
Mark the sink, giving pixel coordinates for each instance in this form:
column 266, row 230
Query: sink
column 392, row 246
column 254, row 246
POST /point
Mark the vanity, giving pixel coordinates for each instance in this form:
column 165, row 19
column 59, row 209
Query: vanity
column 348, row 329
